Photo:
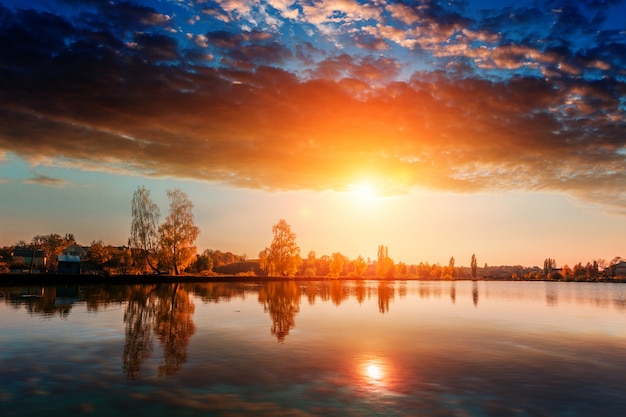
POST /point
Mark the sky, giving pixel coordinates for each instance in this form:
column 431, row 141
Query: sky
column 437, row 129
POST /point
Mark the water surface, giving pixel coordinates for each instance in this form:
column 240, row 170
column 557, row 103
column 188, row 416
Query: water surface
column 348, row 348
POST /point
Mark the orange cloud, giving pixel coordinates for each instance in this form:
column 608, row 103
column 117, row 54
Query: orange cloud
column 272, row 131
column 263, row 113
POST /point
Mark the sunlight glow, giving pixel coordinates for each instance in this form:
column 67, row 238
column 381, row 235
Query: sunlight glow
column 363, row 191
column 374, row 371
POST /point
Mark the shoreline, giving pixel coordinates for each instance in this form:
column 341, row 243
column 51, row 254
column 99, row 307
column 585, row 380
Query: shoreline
column 17, row 279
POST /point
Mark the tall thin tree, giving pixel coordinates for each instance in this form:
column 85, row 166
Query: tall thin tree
column 144, row 229
column 474, row 266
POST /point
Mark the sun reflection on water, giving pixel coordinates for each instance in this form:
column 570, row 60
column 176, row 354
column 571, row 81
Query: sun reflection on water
column 374, row 372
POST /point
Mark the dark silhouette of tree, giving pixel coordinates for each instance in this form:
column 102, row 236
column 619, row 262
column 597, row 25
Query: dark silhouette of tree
column 474, row 266
column 548, row 265
column 475, row 293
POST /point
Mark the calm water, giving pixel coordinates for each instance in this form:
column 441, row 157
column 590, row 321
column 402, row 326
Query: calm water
column 315, row 348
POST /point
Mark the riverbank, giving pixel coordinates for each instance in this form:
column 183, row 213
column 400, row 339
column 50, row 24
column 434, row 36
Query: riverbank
column 9, row 279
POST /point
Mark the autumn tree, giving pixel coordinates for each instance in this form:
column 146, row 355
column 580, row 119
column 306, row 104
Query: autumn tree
column 283, row 256
column 204, row 262
column 359, row 267
column 450, row 272
column 98, row 253
column 474, row 266
column 178, row 233
column 402, row 269
column 579, row 271
column 52, row 244
column 548, row 265
column 336, row 264
column 567, row 272
column 384, row 265
column 309, row 267
column 144, row 229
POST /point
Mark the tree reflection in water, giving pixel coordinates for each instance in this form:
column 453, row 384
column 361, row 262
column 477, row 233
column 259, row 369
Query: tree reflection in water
column 282, row 301
column 359, row 291
column 138, row 318
column 453, row 292
column 385, row 294
column 475, row 293
column 174, row 327
column 164, row 311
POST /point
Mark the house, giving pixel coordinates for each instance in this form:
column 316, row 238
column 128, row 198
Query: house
column 26, row 256
column 76, row 250
column 68, row 264
column 619, row 269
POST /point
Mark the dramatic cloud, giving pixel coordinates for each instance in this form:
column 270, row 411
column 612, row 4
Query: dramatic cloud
column 317, row 95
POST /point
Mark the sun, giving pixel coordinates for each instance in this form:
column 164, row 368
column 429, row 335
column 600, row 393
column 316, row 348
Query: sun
column 363, row 191
column 374, row 372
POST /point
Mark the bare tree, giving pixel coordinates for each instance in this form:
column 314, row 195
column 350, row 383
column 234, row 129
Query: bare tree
column 179, row 233
column 144, row 236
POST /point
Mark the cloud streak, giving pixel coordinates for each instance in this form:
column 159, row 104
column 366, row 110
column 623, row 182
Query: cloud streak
column 318, row 95
column 45, row 180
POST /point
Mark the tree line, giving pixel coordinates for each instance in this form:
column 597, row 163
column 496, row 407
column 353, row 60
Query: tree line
column 168, row 246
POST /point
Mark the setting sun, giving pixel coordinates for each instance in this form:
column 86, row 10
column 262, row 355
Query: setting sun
column 374, row 372
column 363, row 191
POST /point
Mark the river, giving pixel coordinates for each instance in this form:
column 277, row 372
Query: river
column 315, row 348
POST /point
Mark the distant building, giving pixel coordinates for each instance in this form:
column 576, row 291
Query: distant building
column 619, row 268
column 26, row 256
column 76, row 250
column 68, row 264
